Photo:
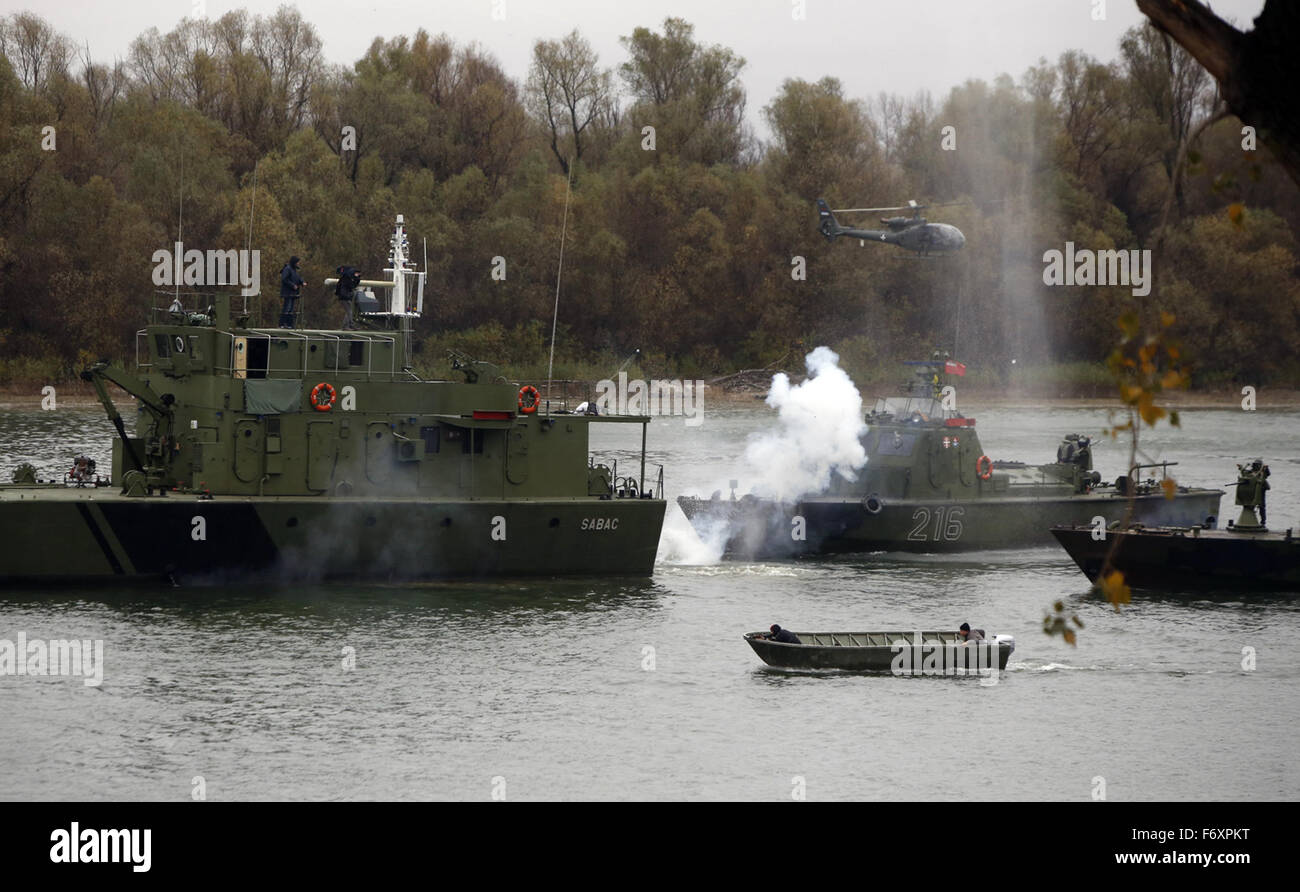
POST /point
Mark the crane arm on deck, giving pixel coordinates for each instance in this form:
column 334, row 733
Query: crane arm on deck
column 159, row 407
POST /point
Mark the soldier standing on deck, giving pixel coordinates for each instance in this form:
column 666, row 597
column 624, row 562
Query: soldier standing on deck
column 290, row 290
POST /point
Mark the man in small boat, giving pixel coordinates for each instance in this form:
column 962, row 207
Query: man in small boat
column 785, row 636
column 967, row 634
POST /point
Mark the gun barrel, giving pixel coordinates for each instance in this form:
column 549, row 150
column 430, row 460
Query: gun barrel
column 368, row 283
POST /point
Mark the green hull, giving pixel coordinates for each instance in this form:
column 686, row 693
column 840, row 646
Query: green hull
column 54, row 534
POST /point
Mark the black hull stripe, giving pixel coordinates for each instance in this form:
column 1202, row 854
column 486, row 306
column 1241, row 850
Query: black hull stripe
column 99, row 537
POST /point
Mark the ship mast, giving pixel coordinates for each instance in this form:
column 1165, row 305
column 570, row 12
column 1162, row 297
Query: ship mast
column 405, row 285
column 401, row 268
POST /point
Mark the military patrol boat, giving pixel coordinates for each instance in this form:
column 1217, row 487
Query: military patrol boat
column 928, row 487
column 295, row 454
column 1245, row 555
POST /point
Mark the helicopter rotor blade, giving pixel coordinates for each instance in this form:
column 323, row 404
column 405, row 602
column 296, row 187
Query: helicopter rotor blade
column 874, row 210
column 910, row 206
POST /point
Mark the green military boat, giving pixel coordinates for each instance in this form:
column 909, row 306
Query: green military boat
column 293, row 454
column 1246, row 556
column 927, row 486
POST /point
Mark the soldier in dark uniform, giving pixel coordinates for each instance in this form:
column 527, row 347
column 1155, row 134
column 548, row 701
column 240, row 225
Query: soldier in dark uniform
column 1261, row 473
column 785, row 636
column 290, row 290
column 346, row 291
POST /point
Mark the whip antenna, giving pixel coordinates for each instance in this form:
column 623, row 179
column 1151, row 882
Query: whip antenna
column 180, row 215
column 564, row 227
column 252, row 205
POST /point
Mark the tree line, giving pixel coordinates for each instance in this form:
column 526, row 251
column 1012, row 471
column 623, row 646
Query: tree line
column 687, row 236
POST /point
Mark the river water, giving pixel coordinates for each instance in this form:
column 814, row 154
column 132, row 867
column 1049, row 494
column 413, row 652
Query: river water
column 643, row 689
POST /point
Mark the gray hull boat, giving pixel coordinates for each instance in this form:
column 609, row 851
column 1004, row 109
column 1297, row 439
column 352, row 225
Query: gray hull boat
column 898, row 653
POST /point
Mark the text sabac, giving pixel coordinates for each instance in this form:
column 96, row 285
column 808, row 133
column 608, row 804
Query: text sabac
column 944, row 658
column 658, row 397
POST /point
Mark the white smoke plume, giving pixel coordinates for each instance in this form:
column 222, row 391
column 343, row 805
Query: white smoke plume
column 819, row 431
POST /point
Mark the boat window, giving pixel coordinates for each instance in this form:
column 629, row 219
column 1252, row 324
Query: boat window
column 430, row 436
column 162, row 346
column 356, row 353
column 894, row 443
column 904, row 407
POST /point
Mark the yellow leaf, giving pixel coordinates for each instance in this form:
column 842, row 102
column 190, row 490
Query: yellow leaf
column 1147, row 408
column 1170, row 486
column 1129, row 324
column 1068, row 634
column 1166, row 319
column 1236, row 212
column 1115, row 589
column 1171, row 380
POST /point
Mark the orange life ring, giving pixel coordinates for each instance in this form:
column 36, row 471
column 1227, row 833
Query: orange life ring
column 534, row 398
column 322, row 404
column 984, row 467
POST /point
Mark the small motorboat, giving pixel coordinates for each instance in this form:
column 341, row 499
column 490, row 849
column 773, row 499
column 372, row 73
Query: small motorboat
column 898, row 653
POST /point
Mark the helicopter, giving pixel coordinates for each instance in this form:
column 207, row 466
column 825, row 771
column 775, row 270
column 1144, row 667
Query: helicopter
column 910, row 233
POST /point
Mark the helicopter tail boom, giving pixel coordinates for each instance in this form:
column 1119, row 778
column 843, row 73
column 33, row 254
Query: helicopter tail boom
column 826, row 221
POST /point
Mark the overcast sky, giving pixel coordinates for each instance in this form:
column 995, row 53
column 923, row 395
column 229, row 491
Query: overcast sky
column 899, row 46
